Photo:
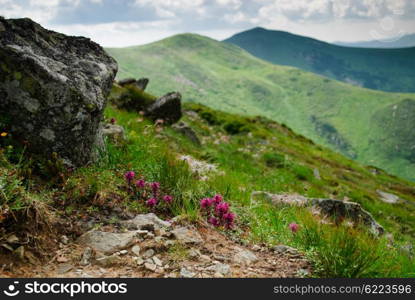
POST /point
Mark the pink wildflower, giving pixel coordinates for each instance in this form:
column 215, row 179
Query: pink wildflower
column 168, row 198
column 140, row 183
column 217, row 199
column 151, row 202
column 129, row 176
column 294, row 227
column 205, row 202
column 222, row 208
column 155, row 186
column 229, row 218
column 214, row 221
column 112, row 121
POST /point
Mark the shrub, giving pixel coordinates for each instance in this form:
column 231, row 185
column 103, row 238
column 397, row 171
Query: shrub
column 235, row 127
column 274, row 160
column 131, row 97
column 302, row 172
column 209, row 117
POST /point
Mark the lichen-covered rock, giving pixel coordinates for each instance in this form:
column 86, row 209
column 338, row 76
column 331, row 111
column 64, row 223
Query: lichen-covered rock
column 187, row 131
column 114, row 132
column 140, row 83
column 337, row 209
column 53, row 89
column 167, row 108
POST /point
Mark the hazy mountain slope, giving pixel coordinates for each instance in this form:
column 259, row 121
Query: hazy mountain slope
column 401, row 42
column 382, row 69
column 223, row 76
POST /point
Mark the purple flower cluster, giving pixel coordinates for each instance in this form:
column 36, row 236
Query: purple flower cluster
column 217, row 211
column 147, row 191
column 294, row 227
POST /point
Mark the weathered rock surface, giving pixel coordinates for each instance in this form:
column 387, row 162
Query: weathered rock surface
column 53, row 88
column 107, row 242
column 244, row 257
column 337, row 209
column 187, row 236
column 125, row 81
column 146, row 222
column 351, row 210
column 387, row 197
column 114, row 132
column 187, row 131
column 140, row 83
column 167, row 108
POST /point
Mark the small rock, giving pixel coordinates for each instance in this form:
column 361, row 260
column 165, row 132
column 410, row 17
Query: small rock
column 13, row 239
column 107, row 242
column 150, row 266
column 125, row 81
column 150, row 235
column 136, row 250
column 387, row 197
column 205, row 258
column 167, row 108
column 62, row 259
column 19, row 252
column 146, row 222
column 193, row 253
column 107, row 261
column 64, row 268
column 187, row 236
column 187, row 131
column 220, row 268
column 256, row 248
column 86, row 256
column 157, row 261
column 286, row 250
column 303, row 273
column 185, row 273
column 114, row 132
column 168, row 243
column 123, row 252
column 149, row 253
column 245, row 257
column 142, row 83
column 139, row 261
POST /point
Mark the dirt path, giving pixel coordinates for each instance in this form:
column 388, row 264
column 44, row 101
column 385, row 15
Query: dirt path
column 179, row 251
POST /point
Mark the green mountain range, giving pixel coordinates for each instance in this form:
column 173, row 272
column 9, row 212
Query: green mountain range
column 370, row 126
column 391, row 70
column 404, row 41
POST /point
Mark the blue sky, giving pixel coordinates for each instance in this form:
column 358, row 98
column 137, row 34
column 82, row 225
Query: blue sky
column 118, row 23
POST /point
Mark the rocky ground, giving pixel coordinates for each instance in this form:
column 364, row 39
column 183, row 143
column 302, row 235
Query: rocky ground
column 149, row 247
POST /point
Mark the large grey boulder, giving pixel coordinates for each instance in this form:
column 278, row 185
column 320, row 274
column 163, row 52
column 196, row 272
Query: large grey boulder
column 167, row 108
column 53, row 89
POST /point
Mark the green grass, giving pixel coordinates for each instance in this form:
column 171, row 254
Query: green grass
column 248, row 160
column 370, row 126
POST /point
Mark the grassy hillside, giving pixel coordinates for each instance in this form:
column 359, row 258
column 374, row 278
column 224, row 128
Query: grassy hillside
column 223, row 76
column 249, row 154
column 390, row 70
